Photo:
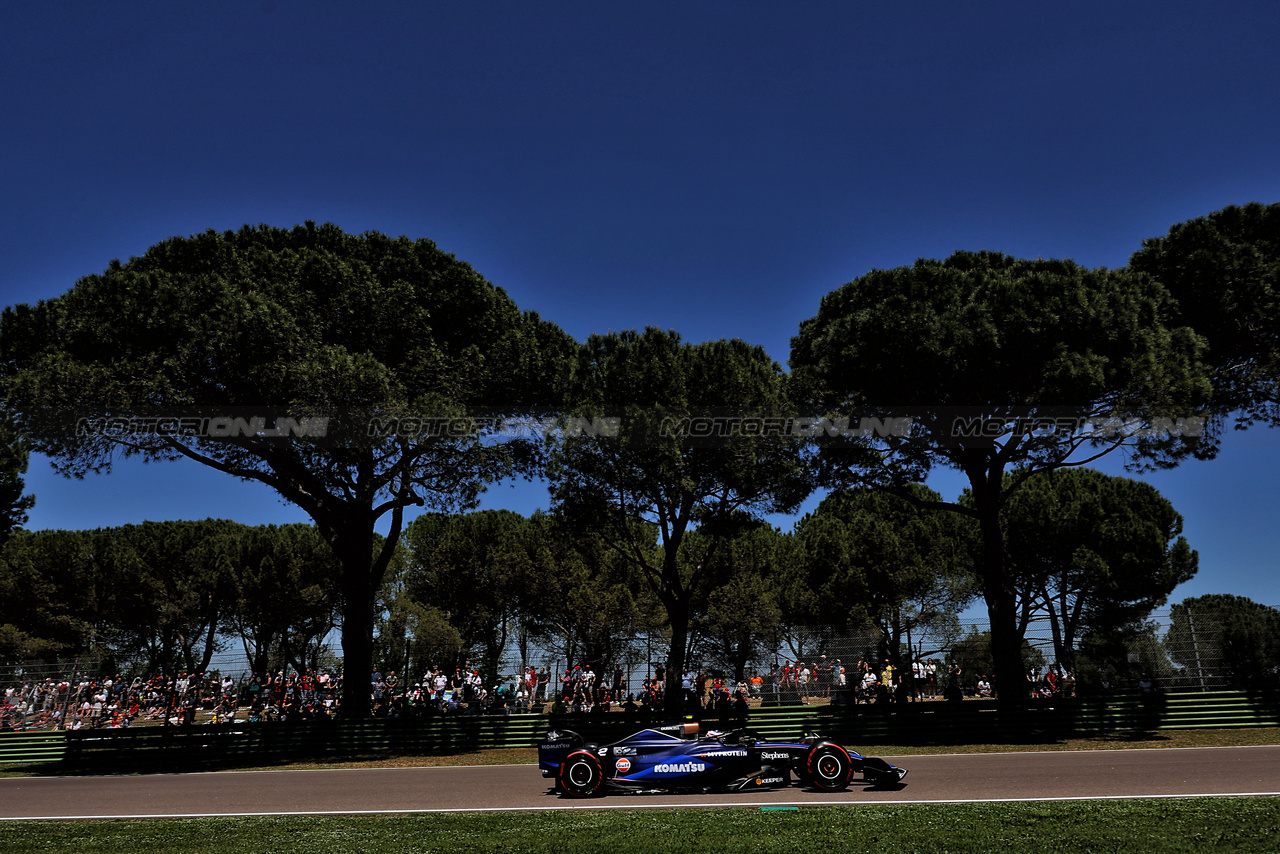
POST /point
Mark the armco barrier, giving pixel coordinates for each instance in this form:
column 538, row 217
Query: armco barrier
column 1221, row 709
column 935, row 722
column 41, row 746
column 240, row 744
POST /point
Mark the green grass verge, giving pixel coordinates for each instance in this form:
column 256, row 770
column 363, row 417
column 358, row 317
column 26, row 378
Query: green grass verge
column 1199, row 824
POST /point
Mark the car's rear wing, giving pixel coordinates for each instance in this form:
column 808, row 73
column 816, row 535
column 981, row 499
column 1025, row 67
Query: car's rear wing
column 554, row 747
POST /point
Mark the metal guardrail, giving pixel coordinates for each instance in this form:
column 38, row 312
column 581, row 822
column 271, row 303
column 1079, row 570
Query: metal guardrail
column 32, row 746
column 935, row 722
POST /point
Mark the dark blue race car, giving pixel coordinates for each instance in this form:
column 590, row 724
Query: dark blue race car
column 677, row 759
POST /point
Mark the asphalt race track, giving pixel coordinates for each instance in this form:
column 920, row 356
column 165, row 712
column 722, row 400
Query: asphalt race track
column 932, row 779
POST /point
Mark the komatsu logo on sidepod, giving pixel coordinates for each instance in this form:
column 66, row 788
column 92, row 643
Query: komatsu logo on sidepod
column 680, row 767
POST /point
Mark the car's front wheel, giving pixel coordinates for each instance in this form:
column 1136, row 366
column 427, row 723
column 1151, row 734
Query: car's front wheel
column 581, row 775
column 828, row 767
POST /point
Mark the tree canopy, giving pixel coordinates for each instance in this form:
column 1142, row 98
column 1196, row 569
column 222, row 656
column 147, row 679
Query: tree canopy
column 1093, row 553
column 1224, row 271
column 165, row 596
column 482, row 569
column 876, row 558
column 745, row 611
column 1229, row 638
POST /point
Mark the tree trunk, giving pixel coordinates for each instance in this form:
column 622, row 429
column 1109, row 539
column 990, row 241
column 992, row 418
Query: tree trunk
column 357, row 642
column 354, row 548
column 261, row 659
column 1006, row 649
column 207, row 657
column 674, row 702
column 1010, row 681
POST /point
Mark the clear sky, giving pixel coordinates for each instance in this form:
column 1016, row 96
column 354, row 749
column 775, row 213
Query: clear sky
column 714, row 168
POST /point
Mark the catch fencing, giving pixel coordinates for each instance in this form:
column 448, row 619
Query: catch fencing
column 1186, row 654
column 1184, row 651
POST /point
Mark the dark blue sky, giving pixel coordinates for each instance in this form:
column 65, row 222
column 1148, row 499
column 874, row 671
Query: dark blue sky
column 709, row 167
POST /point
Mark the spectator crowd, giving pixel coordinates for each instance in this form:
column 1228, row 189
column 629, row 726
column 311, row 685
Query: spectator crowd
column 188, row 698
column 115, row 701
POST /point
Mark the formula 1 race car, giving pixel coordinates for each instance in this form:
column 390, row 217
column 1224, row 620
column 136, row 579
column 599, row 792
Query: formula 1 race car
column 677, row 759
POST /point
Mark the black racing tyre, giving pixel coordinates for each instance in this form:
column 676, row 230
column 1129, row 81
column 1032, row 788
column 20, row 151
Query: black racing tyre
column 828, row 767
column 581, row 775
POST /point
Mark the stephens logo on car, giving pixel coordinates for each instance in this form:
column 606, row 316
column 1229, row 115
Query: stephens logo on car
column 770, row 754
column 680, row 767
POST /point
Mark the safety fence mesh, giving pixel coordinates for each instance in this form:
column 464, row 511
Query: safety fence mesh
column 1173, row 648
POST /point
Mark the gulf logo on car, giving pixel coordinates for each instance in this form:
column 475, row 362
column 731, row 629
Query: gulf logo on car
column 623, row 765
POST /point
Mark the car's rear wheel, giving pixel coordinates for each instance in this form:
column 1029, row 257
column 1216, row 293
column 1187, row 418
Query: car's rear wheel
column 828, row 767
column 581, row 775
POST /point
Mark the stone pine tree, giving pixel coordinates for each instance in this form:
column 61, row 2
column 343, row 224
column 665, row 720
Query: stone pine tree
column 1224, row 638
column 481, row 569
column 998, row 364
column 685, row 459
column 880, row 559
column 743, row 619
column 1093, row 553
column 342, row 371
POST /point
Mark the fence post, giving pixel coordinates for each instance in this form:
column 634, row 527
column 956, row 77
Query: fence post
column 1195, row 645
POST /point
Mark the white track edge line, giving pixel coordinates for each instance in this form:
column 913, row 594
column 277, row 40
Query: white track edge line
column 752, row 805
